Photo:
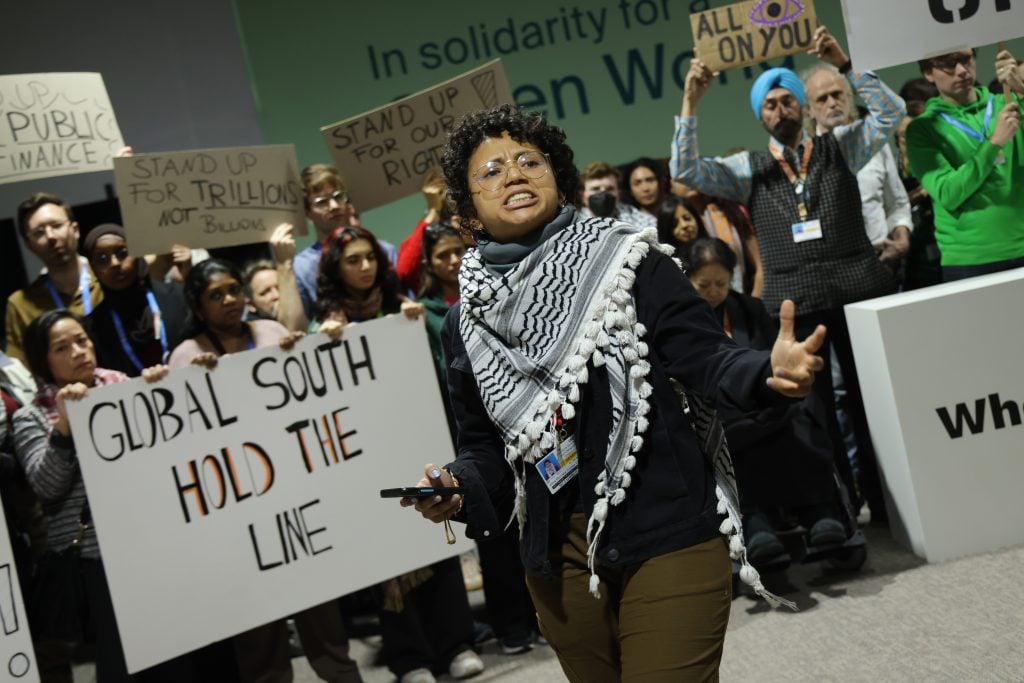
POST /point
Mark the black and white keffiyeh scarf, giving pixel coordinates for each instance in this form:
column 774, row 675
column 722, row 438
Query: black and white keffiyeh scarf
column 530, row 332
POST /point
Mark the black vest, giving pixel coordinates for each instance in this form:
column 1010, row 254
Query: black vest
column 841, row 267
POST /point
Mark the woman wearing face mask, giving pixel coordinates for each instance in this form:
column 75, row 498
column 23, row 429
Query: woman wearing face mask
column 63, row 358
column 356, row 281
column 565, row 341
column 140, row 320
column 679, row 226
column 783, row 455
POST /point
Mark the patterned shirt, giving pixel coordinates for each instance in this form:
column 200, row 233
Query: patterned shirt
column 730, row 177
column 837, row 268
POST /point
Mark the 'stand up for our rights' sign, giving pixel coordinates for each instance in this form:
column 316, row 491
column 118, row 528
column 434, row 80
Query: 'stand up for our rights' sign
column 383, row 154
column 208, row 198
column 55, row 124
column 750, row 32
column 227, row 499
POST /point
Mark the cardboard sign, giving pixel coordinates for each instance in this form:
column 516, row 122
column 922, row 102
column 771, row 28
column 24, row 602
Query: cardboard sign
column 208, row 198
column 751, row 32
column 55, row 124
column 946, row 409
column 879, row 34
column 227, row 499
column 17, row 659
column 383, row 154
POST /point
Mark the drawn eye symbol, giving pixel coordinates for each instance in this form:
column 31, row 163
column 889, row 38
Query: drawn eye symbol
column 775, row 12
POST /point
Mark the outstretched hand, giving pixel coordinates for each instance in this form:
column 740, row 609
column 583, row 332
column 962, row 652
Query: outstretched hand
column 436, row 508
column 794, row 363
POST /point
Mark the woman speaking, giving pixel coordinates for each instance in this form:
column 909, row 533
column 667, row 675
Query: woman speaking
column 570, row 338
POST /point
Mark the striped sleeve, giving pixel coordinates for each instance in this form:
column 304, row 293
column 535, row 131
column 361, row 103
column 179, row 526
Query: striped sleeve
column 725, row 178
column 861, row 140
column 48, row 460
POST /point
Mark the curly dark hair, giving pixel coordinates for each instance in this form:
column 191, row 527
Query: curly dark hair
column 522, row 126
column 330, row 289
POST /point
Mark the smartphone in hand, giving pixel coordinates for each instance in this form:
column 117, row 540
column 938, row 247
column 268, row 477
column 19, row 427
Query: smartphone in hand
column 420, row 492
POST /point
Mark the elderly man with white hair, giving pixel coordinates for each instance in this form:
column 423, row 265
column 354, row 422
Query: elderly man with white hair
column 884, row 201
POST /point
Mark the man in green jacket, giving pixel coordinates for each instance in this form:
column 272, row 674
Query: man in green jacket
column 967, row 149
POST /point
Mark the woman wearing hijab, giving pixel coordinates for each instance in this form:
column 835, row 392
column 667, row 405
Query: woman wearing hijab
column 140, row 320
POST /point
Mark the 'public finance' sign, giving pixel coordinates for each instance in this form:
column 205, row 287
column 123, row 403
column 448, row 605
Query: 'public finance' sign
column 879, row 30
column 208, row 198
column 55, row 124
column 747, row 33
column 383, row 154
column 227, row 499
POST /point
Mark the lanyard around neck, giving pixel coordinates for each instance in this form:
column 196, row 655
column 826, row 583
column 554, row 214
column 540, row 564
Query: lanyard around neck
column 159, row 332
column 83, row 287
column 960, row 125
column 798, row 182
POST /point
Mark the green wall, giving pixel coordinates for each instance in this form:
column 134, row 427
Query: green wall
column 614, row 91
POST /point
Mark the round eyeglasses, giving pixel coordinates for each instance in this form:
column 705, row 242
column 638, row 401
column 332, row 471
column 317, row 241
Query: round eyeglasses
column 492, row 175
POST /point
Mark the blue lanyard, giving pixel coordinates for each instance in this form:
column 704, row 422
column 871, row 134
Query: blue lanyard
column 980, row 137
column 159, row 331
column 83, row 288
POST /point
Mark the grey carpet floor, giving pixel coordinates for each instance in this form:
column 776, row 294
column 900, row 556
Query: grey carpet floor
column 896, row 619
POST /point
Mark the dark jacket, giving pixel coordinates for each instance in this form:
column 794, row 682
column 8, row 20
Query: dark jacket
column 782, row 454
column 137, row 319
column 671, row 502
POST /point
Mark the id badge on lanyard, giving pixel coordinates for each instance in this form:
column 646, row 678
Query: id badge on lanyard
column 806, row 229
column 560, row 465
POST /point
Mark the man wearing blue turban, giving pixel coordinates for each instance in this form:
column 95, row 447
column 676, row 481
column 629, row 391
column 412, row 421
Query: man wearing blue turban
column 804, row 202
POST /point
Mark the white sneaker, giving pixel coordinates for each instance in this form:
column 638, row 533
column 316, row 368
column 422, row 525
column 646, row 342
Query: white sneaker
column 465, row 664
column 418, row 676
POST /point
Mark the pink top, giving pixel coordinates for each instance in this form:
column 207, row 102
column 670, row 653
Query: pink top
column 264, row 333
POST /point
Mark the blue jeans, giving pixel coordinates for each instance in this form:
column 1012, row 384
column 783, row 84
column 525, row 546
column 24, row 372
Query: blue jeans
column 952, row 273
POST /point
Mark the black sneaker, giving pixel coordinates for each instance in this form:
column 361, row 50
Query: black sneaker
column 482, row 632
column 516, row 646
column 764, row 547
column 826, row 531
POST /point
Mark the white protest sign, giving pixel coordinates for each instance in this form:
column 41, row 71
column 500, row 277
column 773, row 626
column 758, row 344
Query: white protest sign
column 227, row 499
column 884, row 33
column 17, row 659
column 208, row 198
column 383, row 154
column 943, row 389
column 55, row 124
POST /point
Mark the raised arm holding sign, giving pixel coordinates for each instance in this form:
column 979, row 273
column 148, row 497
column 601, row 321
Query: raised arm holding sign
column 803, row 196
column 747, row 33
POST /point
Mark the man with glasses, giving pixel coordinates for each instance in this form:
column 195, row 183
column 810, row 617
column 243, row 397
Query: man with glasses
column 328, row 207
column 50, row 231
column 967, row 150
